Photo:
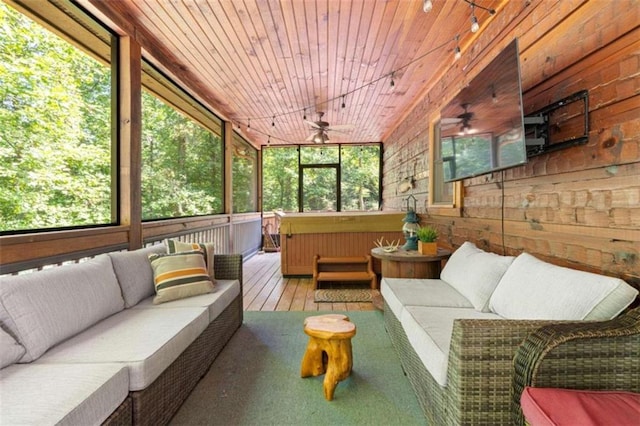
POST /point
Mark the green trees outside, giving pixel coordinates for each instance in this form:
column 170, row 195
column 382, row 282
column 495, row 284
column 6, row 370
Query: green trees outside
column 56, row 152
column 55, row 130
column 182, row 164
column 245, row 176
column 360, row 177
column 359, row 167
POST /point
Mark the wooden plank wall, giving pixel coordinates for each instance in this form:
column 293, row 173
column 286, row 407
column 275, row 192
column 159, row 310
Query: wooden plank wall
column 578, row 207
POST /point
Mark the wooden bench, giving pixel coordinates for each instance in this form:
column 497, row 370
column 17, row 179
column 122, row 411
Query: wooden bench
column 354, row 268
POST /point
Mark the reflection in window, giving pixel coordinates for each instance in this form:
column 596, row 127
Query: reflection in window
column 182, row 164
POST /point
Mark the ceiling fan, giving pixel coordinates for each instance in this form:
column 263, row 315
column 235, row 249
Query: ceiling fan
column 464, row 118
column 321, row 129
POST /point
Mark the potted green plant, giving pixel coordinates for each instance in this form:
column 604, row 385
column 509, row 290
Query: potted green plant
column 427, row 237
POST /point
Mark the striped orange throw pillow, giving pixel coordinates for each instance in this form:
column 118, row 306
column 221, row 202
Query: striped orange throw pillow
column 179, row 275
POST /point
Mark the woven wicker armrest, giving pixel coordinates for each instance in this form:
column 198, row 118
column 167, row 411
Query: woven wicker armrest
column 481, row 367
column 228, row 267
column 602, row 355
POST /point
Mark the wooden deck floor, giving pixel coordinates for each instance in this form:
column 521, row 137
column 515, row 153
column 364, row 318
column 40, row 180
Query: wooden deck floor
column 265, row 289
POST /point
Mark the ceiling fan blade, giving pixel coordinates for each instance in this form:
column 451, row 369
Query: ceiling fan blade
column 310, row 137
column 312, row 124
column 342, row 127
column 450, row 120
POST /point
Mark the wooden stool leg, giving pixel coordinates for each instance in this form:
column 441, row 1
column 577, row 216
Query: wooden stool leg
column 340, row 363
column 313, row 363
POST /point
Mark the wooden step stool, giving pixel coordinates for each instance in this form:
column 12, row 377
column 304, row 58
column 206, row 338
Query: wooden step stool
column 353, row 268
column 329, row 350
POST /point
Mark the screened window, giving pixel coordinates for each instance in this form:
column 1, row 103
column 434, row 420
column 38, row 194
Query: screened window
column 280, row 179
column 245, row 176
column 360, row 172
column 445, row 198
column 55, row 125
column 182, row 164
column 322, row 178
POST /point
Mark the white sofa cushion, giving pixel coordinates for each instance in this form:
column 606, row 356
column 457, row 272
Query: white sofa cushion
column 223, row 294
column 429, row 330
column 134, row 273
column 64, row 394
column 10, row 350
column 44, row 308
column 533, row 289
column 147, row 341
column 475, row 273
column 398, row 292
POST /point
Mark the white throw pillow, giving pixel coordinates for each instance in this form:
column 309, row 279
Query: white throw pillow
column 533, row 289
column 475, row 273
column 10, row 350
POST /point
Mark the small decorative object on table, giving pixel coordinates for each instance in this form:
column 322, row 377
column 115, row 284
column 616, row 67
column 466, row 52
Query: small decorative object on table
column 427, row 237
column 411, row 224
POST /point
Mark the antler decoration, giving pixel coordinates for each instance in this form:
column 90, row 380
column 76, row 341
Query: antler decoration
column 387, row 246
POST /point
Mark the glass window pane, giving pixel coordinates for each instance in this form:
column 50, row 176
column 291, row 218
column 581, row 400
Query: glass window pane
column 319, row 154
column 360, row 177
column 280, row 179
column 55, row 130
column 319, row 192
column 182, row 164
column 245, row 176
column 442, row 156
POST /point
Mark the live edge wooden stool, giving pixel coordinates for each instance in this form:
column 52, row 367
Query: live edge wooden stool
column 329, row 350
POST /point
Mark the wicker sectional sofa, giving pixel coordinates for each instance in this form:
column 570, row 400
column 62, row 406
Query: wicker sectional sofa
column 457, row 336
column 84, row 344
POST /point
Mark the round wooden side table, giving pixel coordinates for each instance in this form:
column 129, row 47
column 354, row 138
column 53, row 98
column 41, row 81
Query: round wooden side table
column 410, row 264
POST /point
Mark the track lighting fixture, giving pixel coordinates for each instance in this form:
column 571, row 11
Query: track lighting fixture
column 456, row 52
column 393, row 83
column 343, row 104
column 304, row 116
column 248, row 123
column 273, row 121
column 427, row 5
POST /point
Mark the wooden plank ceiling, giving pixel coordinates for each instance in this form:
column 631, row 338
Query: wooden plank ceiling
column 265, row 64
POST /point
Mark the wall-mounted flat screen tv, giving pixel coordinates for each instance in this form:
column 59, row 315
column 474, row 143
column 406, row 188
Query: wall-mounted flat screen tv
column 482, row 128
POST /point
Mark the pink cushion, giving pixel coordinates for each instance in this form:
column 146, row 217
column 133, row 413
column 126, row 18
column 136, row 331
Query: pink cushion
column 547, row 406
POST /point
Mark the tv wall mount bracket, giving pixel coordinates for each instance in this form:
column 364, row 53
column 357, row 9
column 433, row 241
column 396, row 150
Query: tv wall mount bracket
column 560, row 125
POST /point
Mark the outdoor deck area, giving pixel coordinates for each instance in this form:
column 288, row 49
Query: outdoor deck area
column 265, row 289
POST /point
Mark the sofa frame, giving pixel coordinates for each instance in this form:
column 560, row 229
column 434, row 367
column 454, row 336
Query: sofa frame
column 159, row 402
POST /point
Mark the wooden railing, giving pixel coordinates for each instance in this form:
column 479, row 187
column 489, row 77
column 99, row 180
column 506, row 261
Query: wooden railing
column 29, row 252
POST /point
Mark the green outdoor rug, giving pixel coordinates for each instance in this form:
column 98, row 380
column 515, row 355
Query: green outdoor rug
column 256, row 379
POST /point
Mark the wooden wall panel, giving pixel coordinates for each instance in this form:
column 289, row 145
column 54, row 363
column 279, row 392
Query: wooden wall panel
column 577, row 207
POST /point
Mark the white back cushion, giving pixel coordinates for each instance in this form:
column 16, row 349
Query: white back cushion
column 475, row 273
column 134, row 273
column 10, row 350
column 41, row 309
column 533, row 289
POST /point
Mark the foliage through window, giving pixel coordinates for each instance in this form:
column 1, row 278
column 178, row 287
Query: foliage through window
column 245, row 176
column 182, row 164
column 55, row 130
column 348, row 172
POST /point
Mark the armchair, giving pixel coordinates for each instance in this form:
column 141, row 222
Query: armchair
column 601, row 355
